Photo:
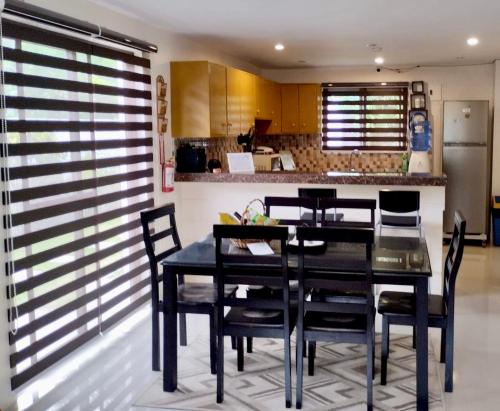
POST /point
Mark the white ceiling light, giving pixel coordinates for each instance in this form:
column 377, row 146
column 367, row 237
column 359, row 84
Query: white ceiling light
column 472, row 41
column 379, row 60
column 279, row 47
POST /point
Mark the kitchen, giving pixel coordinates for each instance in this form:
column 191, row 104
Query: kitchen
column 251, row 101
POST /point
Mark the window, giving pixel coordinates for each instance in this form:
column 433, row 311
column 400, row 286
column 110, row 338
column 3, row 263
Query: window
column 77, row 152
column 365, row 117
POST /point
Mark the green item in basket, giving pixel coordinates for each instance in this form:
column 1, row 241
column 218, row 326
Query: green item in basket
column 256, row 218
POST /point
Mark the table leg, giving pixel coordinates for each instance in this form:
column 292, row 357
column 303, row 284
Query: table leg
column 422, row 344
column 169, row 330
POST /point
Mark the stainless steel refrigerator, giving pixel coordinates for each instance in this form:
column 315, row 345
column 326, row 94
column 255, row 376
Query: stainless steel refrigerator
column 466, row 162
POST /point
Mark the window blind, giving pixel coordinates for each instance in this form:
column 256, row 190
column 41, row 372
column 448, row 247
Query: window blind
column 77, row 155
column 365, row 117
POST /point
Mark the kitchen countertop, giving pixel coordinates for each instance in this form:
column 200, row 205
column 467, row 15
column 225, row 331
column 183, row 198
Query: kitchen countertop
column 332, row 177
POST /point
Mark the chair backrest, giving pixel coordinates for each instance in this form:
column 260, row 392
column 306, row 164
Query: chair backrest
column 453, row 261
column 292, row 202
column 151, row 238
column 348, row 203
column 397, row 201
column 236, row 266
column 318, row 192
column 353, row 248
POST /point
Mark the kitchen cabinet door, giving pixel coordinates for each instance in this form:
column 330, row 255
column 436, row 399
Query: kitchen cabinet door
column 309, row 108
column 234, row 101
column 274, row 98
column 190, row 92
column 217, row 100
column 262, row 110
column 289, row 108
column 248, row 106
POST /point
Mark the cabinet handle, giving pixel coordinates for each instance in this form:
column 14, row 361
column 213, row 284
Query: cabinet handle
column 293, row 124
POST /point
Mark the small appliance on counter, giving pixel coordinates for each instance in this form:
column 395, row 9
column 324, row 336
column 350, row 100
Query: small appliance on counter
column 265, row 159
column 189, row 159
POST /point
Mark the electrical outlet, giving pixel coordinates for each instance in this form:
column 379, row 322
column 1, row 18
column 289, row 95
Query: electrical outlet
column 435, row 91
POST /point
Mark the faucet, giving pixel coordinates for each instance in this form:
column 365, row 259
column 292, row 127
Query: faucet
column 358, row 154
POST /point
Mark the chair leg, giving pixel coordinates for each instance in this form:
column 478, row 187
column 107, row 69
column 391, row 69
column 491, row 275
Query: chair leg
column 414, row 338
column 213, row 343
column 442, row 357
column 385, row 350
column 220, row 364
column 300, row 371
column 369, row 370
column 240, row 348
column 155, row 338
column 233, row 342
column 249, row 345
column 182, row 330
column 312, row 355
column 448, row 379
column 304, row 349
column 288, row 372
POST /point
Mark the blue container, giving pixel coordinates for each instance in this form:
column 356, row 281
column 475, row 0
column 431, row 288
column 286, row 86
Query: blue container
column 420, row 136
column 495, row 215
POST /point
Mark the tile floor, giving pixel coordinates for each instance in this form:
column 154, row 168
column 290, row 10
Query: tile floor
column 111, row 372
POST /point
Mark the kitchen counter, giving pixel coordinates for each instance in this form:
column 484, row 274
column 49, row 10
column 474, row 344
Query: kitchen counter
column 332, row 177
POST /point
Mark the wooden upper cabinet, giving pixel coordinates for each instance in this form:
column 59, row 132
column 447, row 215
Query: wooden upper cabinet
column 262, row 107
column 233, row 101
column 198, row 99
column 248, row 102
column 274, row 98
column 240, row 101
column 309, row 108
column 289, row 108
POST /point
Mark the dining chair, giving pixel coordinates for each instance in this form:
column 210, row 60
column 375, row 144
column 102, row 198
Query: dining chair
column 294, row 203
column 318, row 193
column 258, row 317
column 349, row 204
column 400, row 209
column 341, row 320
column 192, row 298
column 398, row 308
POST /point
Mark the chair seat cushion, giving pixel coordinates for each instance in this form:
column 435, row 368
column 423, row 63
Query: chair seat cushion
column 316, row 321
column 403, row 303
column 198, row 293
column 400, row 220
column 340, row 296
column 257, row 318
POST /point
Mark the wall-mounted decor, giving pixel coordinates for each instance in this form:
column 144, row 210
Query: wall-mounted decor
column 167, row 167
column 417, row 87
column 418, row 101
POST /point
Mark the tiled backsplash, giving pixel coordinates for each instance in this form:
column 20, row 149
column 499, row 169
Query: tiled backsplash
column 306, row 151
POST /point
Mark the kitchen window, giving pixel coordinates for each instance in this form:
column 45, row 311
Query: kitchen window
column 366, row 116
column 77, row 170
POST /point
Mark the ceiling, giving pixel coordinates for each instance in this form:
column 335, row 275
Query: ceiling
column 331, row 32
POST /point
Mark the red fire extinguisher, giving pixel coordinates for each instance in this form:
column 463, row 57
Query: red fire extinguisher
column 167, row 176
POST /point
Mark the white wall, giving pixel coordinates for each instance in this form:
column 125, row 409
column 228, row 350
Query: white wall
column 171, row 47
column 447, row 83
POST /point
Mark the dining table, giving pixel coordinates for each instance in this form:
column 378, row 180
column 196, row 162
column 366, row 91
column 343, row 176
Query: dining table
column 395, row 261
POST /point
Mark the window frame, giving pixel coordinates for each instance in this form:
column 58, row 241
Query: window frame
column 329, row 89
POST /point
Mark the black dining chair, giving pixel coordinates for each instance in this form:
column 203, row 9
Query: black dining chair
column 318, row 193
column 400, row 209
column 192, row 298
column 342, row 319
column 365, row 206
column 295, row 203
column 398, row 308
column 257, row 317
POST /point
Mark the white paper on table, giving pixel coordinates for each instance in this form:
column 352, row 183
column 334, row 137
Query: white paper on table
column 260, row 248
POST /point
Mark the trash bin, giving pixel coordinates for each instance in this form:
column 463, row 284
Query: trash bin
column 495, row 215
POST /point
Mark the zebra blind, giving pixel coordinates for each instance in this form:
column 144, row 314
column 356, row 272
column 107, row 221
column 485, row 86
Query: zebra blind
column 77, row 152
column 365, row 117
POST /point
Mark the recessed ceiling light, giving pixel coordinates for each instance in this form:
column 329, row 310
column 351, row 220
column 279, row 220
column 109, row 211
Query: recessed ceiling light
column 279, row 47
column 472, row 41
column 379, row 60
column 383, row 84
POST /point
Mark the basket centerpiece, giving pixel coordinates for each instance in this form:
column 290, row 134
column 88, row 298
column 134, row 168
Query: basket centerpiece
column 250, row 216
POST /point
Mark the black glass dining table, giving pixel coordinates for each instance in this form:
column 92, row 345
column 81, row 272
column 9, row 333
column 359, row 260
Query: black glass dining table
column 395, row 261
